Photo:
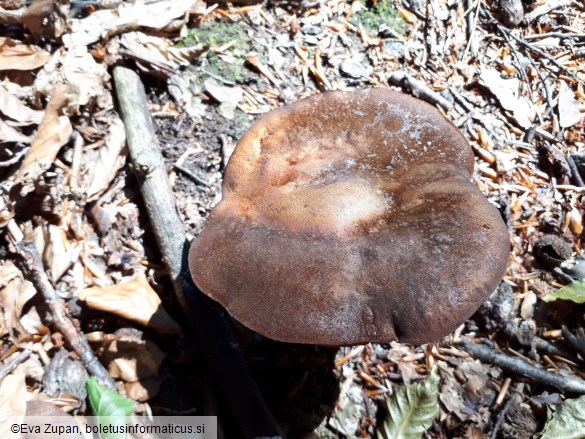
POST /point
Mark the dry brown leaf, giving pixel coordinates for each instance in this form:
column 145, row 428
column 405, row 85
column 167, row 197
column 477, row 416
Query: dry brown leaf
column 408, row 371
column 10, row 15
column 82, row 73
column 134, row 300
column 6, row 209
column 131, row 360
column 15, row 291
column 128, row 16
column 474, row 432
column 156, row 54
column 528, row 304
column 229, row 97
column 39, row 407
column 58, row 254
column 78, row 276
column 349, row 410
column 569, row 111
column 31, row 321
column 33, row 368
column 222, row 93
column 15, row 55
column 505, row 160
column 54, row 132
column 198, row 8
column 104, row 216
column 13, row 396
column 451, row 393
column 110, row 159
column 135, row 364
column 185, row 96
column 77, row 71
column 507, row 92
column 149, row 50
column 46, row 18
column 11, row 106
column 142, row 390
column 12, row 135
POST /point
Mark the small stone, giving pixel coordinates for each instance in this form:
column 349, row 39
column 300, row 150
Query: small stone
column 227, row 110
column 395, row 47
column 528, row 304
column 505, row 161
column 311, row 30
column 311, row 40
column 352, row 69
column 223, row 94
column 228, row 97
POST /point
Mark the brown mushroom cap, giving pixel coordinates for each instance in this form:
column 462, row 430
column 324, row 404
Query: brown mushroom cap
column 349, row 217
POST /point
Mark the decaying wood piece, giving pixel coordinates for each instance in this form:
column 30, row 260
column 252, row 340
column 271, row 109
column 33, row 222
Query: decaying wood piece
column 213, row 331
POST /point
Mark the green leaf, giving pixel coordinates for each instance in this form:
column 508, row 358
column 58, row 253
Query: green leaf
column 107, row 402
column 411, row 410
column 575, row 291
column 109, row 406
column 568, row 422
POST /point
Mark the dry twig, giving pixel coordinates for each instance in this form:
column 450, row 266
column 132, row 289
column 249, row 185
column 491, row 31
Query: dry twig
column 520, row 366
column 514, row 399
column 539, row 52
column 13, row 363
column 191, row 175
column 31, row 263
column 419, row 89
column 15, row 158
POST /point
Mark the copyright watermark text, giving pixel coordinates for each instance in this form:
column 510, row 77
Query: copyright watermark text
column 113, row 427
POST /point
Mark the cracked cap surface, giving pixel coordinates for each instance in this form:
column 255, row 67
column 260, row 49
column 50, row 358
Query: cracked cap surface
column 349, row 217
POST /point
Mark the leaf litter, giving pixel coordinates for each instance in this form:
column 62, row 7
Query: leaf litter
column 515, row 92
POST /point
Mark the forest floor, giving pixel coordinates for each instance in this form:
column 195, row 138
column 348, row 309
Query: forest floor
column 512, row 82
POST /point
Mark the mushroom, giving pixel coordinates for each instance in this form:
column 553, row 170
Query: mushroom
column 349, row 217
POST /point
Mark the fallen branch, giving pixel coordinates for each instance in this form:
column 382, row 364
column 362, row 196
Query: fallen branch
column 419, row 89
column 549, row 6
column 31, row 263
column 208, row 318
column 520, row 366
